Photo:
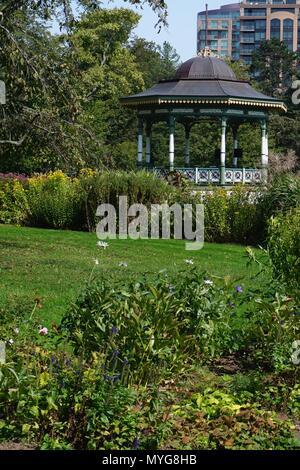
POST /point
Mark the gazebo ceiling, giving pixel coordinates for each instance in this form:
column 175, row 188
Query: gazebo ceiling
column 205, row 81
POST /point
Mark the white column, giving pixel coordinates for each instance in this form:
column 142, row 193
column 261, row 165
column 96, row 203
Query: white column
column 187, row 147
column 223, row 151
column 140, row 143
column 172, row 143
column 235, row 147
column 148, row 145
column 264, row 150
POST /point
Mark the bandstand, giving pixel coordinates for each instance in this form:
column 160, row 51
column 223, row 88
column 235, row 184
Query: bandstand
column 204, row 87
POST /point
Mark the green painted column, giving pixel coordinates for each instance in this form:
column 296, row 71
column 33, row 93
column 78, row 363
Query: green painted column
column 235, row 147
column 223, row 151
column 140, row 143
column 187, row 146
column 264, row 150
column 171, row 142
column 148, row 143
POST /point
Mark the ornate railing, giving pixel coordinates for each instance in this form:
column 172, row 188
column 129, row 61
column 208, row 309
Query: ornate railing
column 207, row 176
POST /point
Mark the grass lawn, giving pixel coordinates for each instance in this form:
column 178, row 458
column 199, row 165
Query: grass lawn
column 53, row 265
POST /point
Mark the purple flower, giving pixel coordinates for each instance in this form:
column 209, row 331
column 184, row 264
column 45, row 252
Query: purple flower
column 114, row 330
column 136, row 443
column 239, row 289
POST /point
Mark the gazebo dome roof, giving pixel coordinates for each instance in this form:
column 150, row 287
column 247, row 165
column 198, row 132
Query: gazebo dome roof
column 207, row 81
column 205, row 68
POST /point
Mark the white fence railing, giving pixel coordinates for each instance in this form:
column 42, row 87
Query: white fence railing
column 207, row 176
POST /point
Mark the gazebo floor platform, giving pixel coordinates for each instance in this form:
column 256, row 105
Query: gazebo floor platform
column 212, row 176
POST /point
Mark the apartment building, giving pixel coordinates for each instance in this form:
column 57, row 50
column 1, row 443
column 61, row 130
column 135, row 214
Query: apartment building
column 236, row 30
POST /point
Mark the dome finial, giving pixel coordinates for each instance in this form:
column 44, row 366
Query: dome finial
column 206, row 52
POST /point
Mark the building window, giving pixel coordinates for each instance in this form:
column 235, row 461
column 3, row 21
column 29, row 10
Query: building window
column 213, row 34
column 223, row 34
column 288, row 33
column 260, row 25
column 247, row 37
column 213, row 24
column 255, row 12
column 247, row 26
column 289, row 10
column 275, row 29
column 260, row 36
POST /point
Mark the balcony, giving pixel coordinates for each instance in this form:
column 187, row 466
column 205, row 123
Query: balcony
column 247, row 40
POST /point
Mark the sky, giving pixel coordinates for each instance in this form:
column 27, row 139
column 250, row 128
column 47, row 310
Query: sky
column 182, row 30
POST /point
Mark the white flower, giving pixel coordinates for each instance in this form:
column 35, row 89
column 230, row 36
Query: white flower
column 208, row 282
column 17, row 331
column 11, row 341
column 123, row 264
column 96, row 261
column 189, row 261
column 43, row 331
column 103, row 245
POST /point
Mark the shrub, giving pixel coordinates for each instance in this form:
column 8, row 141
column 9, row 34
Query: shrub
column 282, row 194
column 154, row 326
column 231, row 216
column 284, row 247
column 140, row 325
column 105, row 187
column 53, row 200
column 14, row 207
column 282, row 163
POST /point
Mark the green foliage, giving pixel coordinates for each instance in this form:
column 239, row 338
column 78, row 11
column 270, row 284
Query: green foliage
column 282, row 194
column 105, row 187
column 217, row 420
column 232, row 215
column 139, row 325
column 52, row 200
column 143, row 323
column 284, row 248
column 116, row 374
column 63, row 90
column 14, row 207
column 154, row 62
column 274, row 66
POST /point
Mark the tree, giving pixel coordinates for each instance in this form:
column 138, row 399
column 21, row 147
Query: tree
column 105, row 70
column 273, row 67
column 64, row 10
column 154, row 62
column 41, row 103
column 240, row 68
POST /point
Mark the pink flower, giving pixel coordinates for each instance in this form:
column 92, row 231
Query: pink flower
column 43, row 331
